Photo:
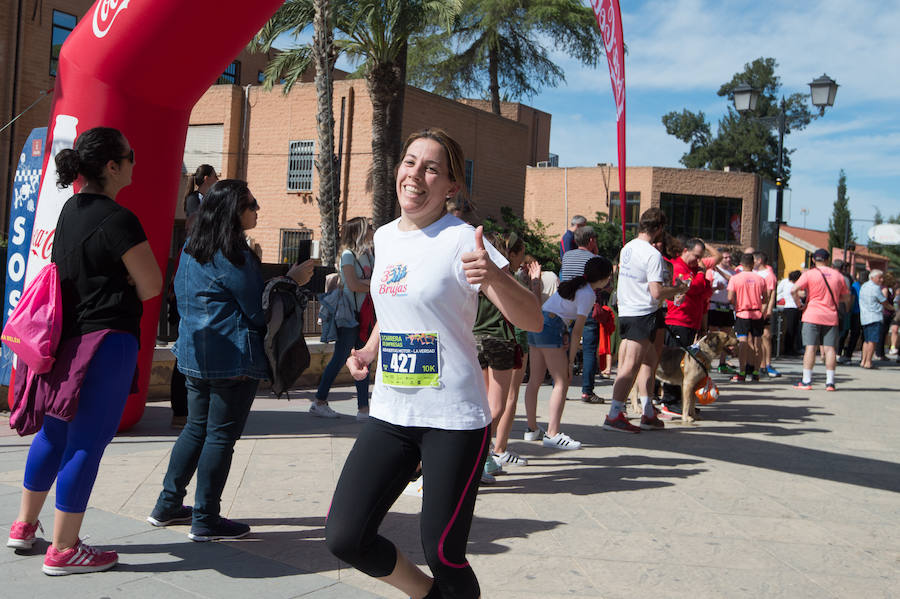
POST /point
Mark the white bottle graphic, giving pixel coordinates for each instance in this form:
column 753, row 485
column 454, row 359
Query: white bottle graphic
column 50, row 199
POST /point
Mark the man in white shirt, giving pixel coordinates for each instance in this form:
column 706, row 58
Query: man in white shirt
column 790, row 314
column 639, row 290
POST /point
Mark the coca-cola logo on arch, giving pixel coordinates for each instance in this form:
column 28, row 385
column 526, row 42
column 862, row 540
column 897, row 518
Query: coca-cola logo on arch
column 105, row 14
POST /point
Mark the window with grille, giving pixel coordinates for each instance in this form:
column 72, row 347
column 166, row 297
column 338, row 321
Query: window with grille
column 300, row 165
column 292, row 240
column 63, row 24
column 632, row 210
column 710, row 218
column 232, row 74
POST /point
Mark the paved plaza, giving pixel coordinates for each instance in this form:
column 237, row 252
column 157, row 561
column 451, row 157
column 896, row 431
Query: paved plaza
column 776, row 493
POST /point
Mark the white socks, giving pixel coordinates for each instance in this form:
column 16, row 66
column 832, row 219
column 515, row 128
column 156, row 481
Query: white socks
column 616, row 407
column 648, row 407
column 829, row 377
column 807, row 375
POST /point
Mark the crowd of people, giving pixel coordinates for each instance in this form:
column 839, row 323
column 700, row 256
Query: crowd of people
column 462, row 316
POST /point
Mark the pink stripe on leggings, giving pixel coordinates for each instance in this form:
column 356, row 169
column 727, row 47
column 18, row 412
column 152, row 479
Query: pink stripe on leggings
column 478, row 464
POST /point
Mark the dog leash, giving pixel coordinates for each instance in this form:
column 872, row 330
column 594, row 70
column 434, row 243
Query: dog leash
column 687, row 349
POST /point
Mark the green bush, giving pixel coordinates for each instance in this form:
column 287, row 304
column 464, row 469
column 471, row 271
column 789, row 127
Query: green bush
column 538, row 242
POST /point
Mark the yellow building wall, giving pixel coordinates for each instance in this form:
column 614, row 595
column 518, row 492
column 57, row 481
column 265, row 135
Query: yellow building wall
column 790, row 257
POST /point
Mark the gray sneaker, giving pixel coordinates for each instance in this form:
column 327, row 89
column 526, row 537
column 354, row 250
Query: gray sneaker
column 322, row 411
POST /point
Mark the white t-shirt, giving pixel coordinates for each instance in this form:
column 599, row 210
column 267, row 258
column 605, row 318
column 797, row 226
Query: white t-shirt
column 783, row 292
column 719, row 296
column 419, row 286
column 363, row 268
column 639, row 264
column 568, row 310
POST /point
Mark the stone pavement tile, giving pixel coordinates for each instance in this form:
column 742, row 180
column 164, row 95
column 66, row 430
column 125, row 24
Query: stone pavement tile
column 25, row 579
column 798, row 529
column 832, row 560
column 676, row 520
column 880, row 587
column 513, row 575
column 628, row 580
column 741, row 500
column 150, row 588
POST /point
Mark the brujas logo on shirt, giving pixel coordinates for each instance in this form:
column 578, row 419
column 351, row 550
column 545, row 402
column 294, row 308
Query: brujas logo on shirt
column 393, row 281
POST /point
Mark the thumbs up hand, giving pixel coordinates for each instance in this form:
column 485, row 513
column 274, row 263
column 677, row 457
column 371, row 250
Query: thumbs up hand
column 477, row 264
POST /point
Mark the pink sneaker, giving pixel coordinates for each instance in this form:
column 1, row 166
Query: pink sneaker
column 78, row 559
column 21, row 534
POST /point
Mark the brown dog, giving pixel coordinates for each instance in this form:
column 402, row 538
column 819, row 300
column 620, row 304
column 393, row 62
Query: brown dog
column 677, row 368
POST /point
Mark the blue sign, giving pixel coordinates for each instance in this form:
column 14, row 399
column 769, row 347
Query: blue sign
column 21, row 221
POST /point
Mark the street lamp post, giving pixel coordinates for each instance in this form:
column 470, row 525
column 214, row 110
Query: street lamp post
column 822, row 90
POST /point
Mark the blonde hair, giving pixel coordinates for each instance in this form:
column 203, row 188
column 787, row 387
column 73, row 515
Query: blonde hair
column 355, row 235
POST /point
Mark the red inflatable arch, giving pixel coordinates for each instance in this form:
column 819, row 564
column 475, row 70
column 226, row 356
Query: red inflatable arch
column 140, row 66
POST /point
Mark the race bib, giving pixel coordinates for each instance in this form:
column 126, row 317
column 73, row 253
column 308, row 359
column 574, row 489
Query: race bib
column 410, row 360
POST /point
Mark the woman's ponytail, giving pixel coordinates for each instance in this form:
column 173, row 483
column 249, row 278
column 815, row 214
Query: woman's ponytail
column 67, row 167
column 568, row 288
column 595, row 269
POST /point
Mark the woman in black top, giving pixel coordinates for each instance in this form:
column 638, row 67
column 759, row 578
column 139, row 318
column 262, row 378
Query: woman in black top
column 106, row 270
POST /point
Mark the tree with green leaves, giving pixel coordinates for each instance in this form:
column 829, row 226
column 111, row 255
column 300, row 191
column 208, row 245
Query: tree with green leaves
column 375, row 34
column 538, row 242
column 496, row 44
column 840, row 228
column 746, row 143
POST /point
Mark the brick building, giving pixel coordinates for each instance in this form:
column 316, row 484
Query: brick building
column 720, row 207
column 31, row 35
column 270, row 139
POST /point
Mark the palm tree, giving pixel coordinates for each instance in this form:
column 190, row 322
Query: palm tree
column 500, row 43
column 374, row 33
column 290, row 66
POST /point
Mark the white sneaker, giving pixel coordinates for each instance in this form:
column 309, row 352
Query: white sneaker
column 531, row 435
column 561, row 441
column 510, row 458
column 322, row 411
column 361, row 416
column 892, row 351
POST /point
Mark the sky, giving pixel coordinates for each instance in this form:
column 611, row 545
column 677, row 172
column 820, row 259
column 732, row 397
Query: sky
column 681, row 51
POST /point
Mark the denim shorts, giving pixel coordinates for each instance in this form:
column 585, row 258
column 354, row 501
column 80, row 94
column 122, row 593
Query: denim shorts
column 872, row 332
column 552, row 333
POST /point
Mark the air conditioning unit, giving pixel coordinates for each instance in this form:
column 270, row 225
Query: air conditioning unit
column 543, row 164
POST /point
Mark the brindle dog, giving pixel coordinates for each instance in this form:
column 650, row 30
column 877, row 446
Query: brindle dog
column 690, row 374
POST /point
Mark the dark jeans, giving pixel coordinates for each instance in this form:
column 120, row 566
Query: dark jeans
column 590, row 340
column 217, row 413
column 347, row 340
column 178, row 392
column 672, row 393
column 851, row 337
column 885, row 327
column 792, row 343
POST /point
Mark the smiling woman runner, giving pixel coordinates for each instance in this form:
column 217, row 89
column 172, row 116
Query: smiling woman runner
column 429, row 401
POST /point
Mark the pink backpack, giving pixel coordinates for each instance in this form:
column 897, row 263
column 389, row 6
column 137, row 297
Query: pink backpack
column 33, row 329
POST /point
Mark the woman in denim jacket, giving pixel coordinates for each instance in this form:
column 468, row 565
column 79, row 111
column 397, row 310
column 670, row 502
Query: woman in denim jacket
column 220, row 351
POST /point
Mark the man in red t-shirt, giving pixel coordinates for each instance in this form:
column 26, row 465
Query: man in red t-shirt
column 683, row 319
column 825, row 289
column 761, row 267
column 746, row 292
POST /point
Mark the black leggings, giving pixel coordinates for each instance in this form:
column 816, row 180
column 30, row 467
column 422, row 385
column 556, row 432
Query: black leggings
column 376, row 472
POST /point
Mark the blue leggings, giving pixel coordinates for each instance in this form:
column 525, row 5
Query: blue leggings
column 70, row 452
